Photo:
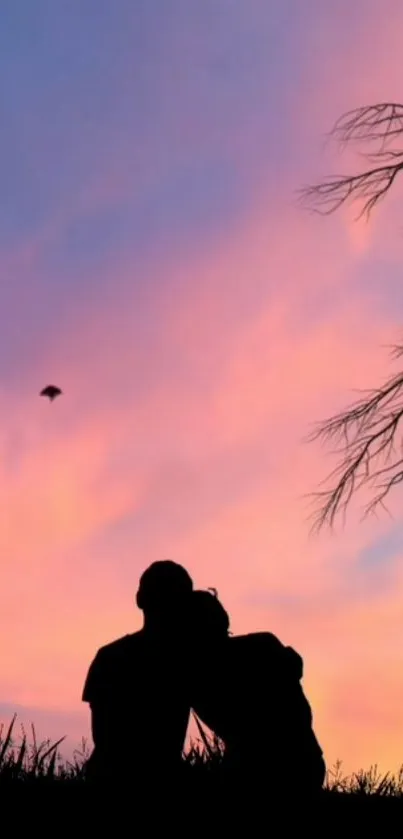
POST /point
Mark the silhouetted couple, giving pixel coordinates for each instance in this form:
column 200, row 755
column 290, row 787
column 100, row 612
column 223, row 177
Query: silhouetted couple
column 246, row 689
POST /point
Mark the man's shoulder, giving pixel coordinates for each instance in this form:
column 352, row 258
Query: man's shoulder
column 109, row 661
column 120, row 646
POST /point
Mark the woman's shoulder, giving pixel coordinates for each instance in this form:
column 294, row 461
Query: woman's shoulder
column 258, row 645
column 259, row 640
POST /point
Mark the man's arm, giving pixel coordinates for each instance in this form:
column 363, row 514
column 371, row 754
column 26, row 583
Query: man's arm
column 101, row 725
column 93, row 680
column 95, row 693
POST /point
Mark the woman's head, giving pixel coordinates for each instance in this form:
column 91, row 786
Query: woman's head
column 210, row 621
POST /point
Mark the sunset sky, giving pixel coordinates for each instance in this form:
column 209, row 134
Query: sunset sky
column 155, row 264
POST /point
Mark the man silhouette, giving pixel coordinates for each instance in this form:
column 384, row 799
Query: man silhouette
column 137, row 686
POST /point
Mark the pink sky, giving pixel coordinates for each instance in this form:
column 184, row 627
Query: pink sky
column 193, row 368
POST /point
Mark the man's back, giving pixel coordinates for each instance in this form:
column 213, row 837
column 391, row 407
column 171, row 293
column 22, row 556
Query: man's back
column 137, row 689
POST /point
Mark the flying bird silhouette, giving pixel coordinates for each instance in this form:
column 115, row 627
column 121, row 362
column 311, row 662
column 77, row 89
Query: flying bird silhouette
column 51, row 391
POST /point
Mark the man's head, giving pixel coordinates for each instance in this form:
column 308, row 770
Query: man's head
column 164, row 593
column 209, row 620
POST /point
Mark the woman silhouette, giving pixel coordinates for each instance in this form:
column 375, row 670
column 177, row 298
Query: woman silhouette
column 253, row 700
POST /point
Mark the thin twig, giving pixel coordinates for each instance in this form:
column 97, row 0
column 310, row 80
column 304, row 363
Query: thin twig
column 371, row 448
column 378, row 125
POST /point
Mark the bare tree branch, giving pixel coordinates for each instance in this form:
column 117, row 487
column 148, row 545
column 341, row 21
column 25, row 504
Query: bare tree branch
column 368, row 433
column 371, row 449
column 378, row 125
